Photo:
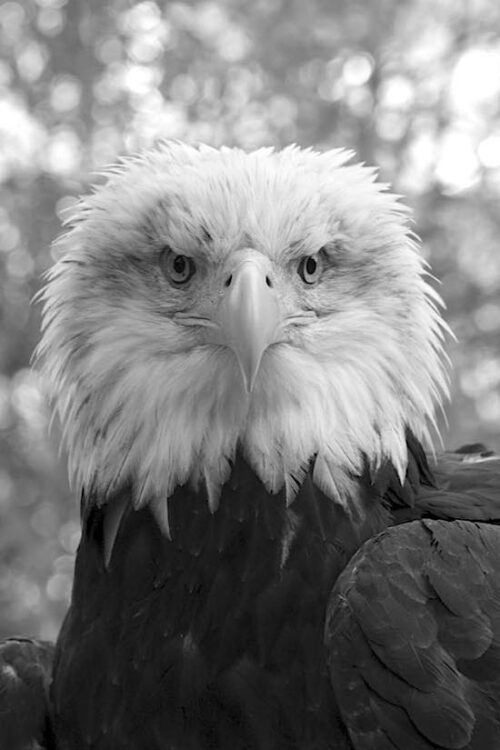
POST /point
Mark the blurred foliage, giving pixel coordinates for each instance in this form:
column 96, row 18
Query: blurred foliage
column 412, row 86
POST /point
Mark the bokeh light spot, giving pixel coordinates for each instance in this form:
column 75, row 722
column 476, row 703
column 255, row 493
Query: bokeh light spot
column 457, row 164
column 476, row 78
column 12, row 19
column 20, row 264
column 109, row 50
column 357, row 70
column 50, row 21
column 31, row 61
column 28, row 399
column 69, row 536
column 58, row 587
column 65, row 93
column 63, row 152
column 488, row 152
column 9, row 237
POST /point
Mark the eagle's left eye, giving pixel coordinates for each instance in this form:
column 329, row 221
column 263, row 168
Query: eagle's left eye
column 310, row 268
column 179, row 269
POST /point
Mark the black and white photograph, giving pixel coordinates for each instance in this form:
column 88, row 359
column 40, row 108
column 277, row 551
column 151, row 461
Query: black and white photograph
column 250, row 375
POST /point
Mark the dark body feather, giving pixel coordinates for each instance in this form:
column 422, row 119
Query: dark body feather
column 414, row 635
column 216, row 638
column 25, row 674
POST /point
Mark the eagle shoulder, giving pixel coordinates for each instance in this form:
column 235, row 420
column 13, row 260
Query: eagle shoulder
column 413, row 636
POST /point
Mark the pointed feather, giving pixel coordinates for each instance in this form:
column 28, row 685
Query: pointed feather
column 159, row 507
column 112, row 520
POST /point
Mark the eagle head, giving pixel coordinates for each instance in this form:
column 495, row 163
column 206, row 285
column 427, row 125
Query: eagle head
column 208, row 301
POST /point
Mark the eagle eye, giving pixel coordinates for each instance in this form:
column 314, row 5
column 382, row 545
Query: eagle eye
column 178, row 269
column 310, row 268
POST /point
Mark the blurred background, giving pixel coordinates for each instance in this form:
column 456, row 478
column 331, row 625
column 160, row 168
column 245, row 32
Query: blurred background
column 411, row 85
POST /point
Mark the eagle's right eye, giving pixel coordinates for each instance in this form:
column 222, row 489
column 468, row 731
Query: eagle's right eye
column 178, row 269
column 310, row 268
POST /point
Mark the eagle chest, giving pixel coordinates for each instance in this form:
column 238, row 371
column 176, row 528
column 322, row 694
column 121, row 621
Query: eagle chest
column 211, row 639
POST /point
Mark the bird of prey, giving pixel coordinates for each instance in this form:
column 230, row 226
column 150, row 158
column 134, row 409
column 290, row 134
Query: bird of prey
column 246, row 354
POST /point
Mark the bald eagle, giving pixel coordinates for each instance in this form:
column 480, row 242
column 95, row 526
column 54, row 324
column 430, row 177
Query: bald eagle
column 247, row 357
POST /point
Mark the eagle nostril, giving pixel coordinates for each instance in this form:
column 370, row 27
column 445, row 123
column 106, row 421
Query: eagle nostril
column 269, row 282
column 228, row 280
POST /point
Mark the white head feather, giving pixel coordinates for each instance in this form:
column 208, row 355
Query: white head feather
column 144, row 400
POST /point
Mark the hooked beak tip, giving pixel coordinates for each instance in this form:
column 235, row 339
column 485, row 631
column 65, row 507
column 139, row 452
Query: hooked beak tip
column 249, row 382
column 249, row 371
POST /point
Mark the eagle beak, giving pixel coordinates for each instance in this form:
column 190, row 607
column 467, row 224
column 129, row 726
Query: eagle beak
column 249, row 316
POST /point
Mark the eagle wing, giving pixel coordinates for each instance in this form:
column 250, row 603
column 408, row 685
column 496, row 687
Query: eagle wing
column 25, row 674
column 466, row 485
column 413, row 634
